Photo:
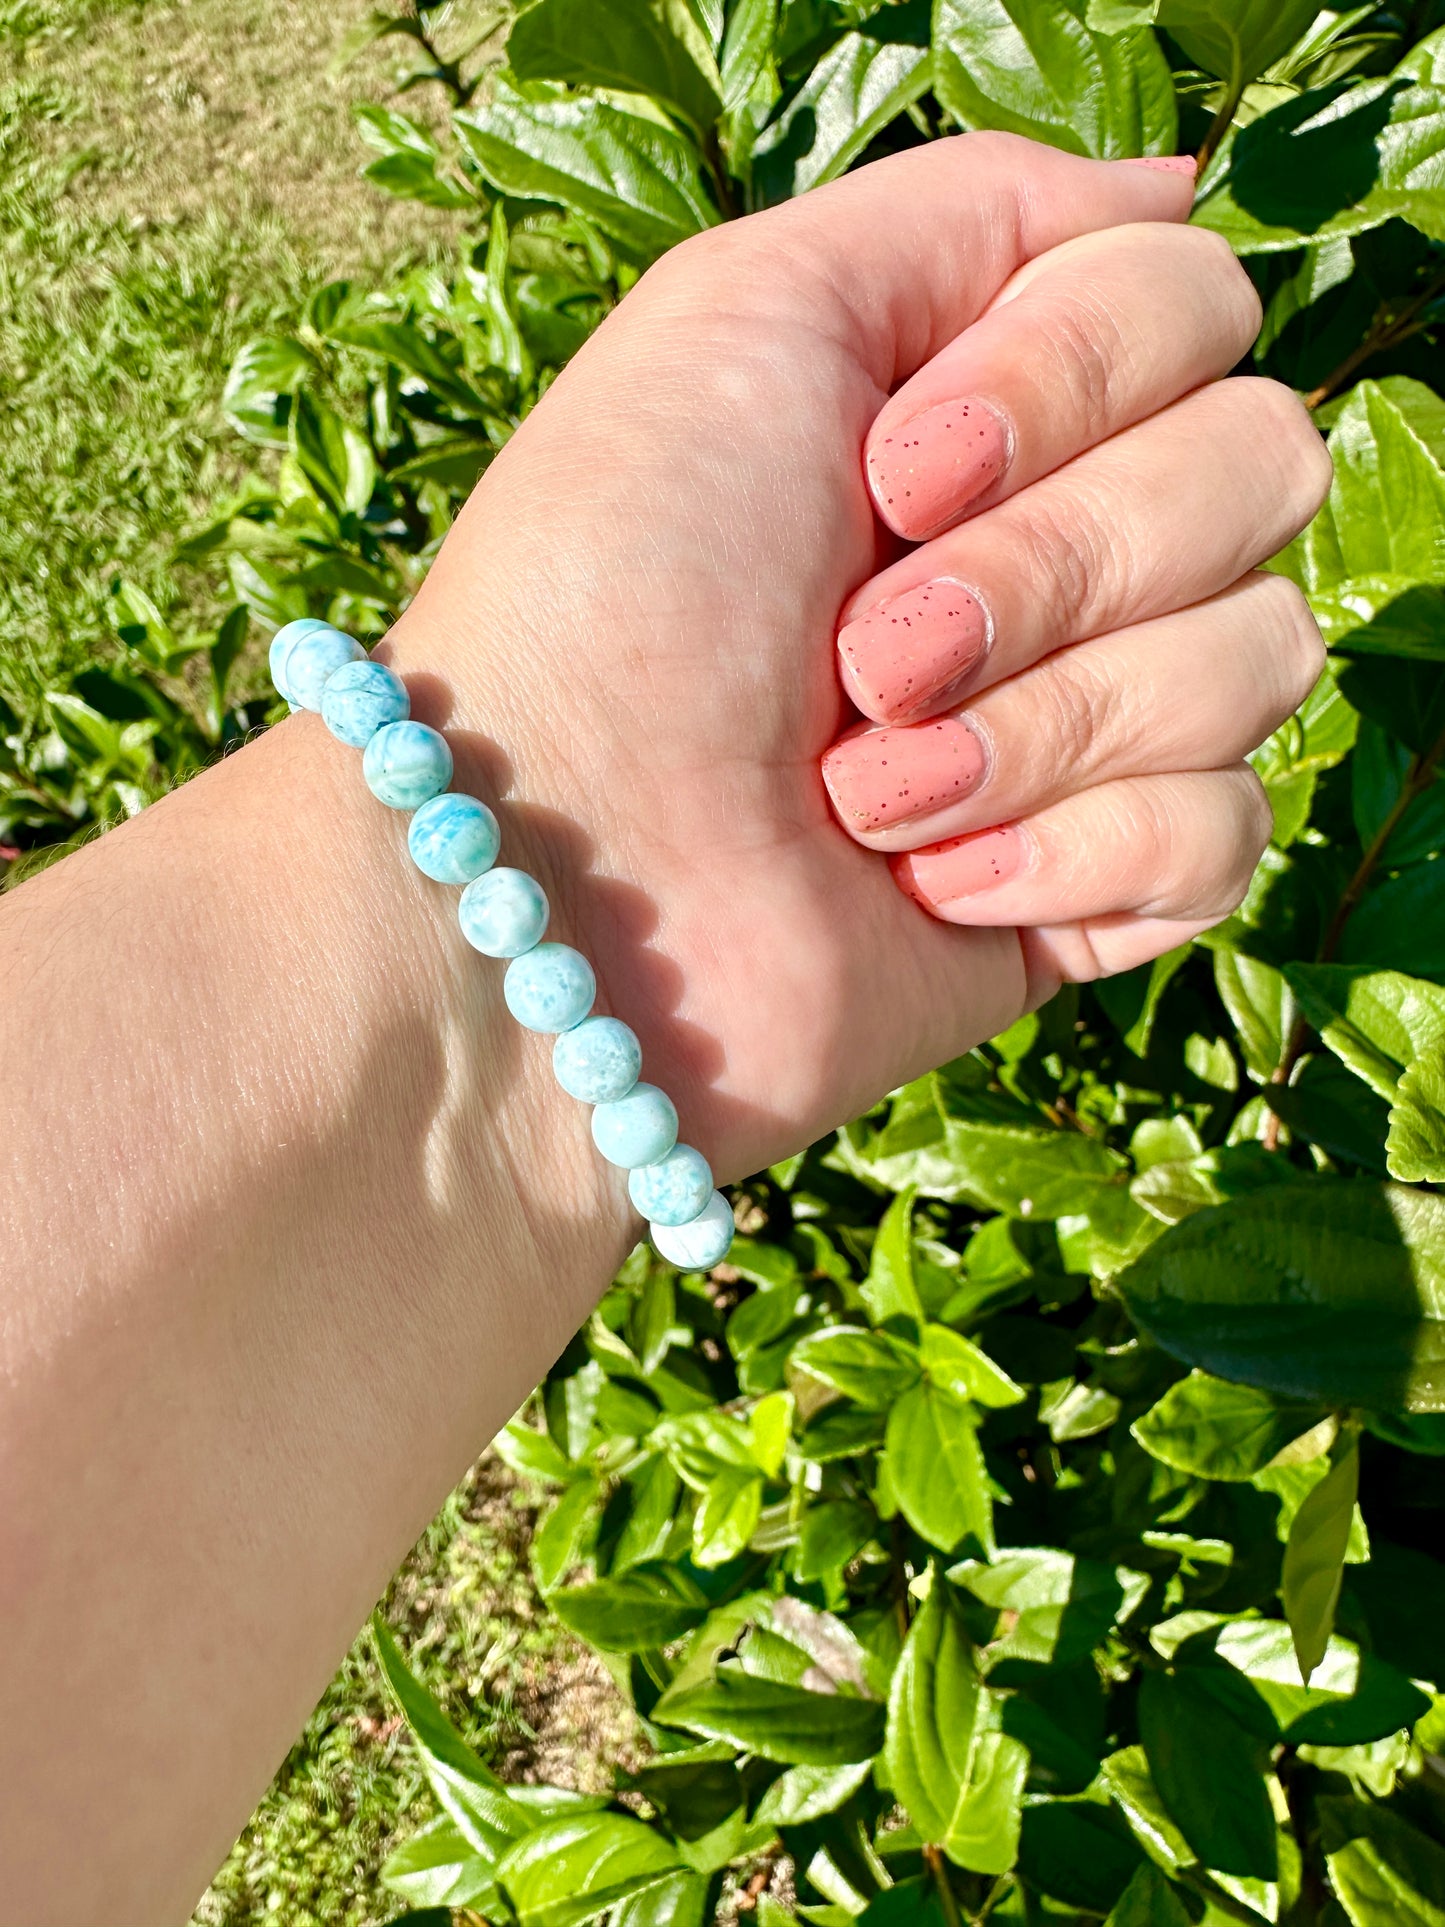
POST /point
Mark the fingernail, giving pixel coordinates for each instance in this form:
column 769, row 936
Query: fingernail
column 929, row 468
column 963, row 866
column 913, row 649
column 1165, row 163
column 885, row 776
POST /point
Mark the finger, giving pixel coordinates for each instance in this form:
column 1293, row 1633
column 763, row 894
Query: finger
column 1161, row 516
column 1182, row 847
column 914, row 247
column 1192, row 691
column 1093, row 336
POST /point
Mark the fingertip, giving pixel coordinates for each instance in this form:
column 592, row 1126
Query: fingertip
column 1174, row 175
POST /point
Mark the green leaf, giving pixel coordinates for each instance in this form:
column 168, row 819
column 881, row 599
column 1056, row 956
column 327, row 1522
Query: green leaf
column 956, row 1365
column 1314, row 1559
column 653, row 47
column 806, row 1793
column 573, row 1869
column 335, row 459
column 414, row 177
column 1415, row 1148
column 405, row 345
column 871, row 1368
column 936, row 1468
column 1058, row 1607
column 1385, row 1871
column 727, row 1517
column 890, row 1289
column 1328, row 1290
column 1210, row 1774
column 1035, row 67
column 934, row 1704
column 862, row 83
column 638, row 180
column 983, row 1834
column 1149, row 1900
column 1221, row 1431
column 649, row 1605
column 439, row 1867
column 473, row 1797
column 1376, row 1021
column 1324, row 164
column 778, row 1721
column 1235, row 39
column 265, row 369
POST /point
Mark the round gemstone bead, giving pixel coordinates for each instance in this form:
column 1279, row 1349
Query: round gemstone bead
column 282, row 643
column 675, row 1189
column 503, row 913
column 702, row 1242
column 637, row 1129
column 550, row 987
column 453, row 838
column 406, row 764
column 312, row 660
column 361, row 698
column 598, row 1061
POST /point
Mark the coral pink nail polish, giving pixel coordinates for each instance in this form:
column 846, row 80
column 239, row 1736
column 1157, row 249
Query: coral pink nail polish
column 925, row 471
column 913, row 650
column 1165, row 163
column 962, row 866
column 885, row 776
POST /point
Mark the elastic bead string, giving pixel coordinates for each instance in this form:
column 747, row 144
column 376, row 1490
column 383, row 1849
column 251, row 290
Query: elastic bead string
column 548, row 987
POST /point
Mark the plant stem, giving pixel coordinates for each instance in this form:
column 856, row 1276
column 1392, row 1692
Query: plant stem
column 1221, row 124
column 1419, row 775
column 933, row 1859
column 1384, row 332
column 722, row 187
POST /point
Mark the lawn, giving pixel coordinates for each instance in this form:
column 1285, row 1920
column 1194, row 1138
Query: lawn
column 174, row 176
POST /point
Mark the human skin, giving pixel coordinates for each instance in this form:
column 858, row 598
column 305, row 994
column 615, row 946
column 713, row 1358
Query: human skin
column 295, row 1216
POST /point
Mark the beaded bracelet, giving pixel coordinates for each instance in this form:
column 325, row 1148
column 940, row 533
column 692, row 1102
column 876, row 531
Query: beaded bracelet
column 548, row 987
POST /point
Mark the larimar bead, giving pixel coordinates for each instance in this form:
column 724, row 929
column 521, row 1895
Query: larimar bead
column 702, row 1242
column 598, row 1061
column 312, row 660
column 637, row 1129
column 503, row 913
column 673, row 1190
column 453, row 838
column 282, row 643
column 406, row 764
column 550, row 987
column 361, row 698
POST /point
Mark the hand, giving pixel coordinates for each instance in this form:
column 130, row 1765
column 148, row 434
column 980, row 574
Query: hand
column 640, row 600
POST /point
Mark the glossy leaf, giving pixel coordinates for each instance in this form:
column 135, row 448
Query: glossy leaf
column 571, row 1870
column 1149, row 1900
column 1385, row 1871
column 1314, row 1557
column 1209, row 1771
column 1415, row 1148
column 1221, row 1431
column 780, row 1722
column 863, row 82
column 806, row 1793
column 1331, row 1291
column 638, row 180
column 1036, row 67
column 654, row 47
column 647, row 1606
column 936, row 1468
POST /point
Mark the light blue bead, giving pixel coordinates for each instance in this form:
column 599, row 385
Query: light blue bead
column 361, row 698
column 637, row 1129
column 551, row 987
column 406, row 764
column 453, row 838
column 701, row 1243
column 675, row 1189
column 598, row 1061
column 312, row 660
column 503, row 913
column 282, row 643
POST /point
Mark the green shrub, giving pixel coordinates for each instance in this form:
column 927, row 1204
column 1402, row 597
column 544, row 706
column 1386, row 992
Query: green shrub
column 1033, row 1520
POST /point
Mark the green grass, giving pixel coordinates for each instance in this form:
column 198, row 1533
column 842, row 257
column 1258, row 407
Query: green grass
column 174, row 176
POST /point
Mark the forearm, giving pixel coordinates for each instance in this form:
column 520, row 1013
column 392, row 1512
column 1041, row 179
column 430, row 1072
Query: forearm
column 295, row 1219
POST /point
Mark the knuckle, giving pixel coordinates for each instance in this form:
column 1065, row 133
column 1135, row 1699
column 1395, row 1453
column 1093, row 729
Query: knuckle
column 1295, row 636
column 1238, row 295
column 1060, row 551
column 1085, row 341
column 1081, row 705
column 1283, row 424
